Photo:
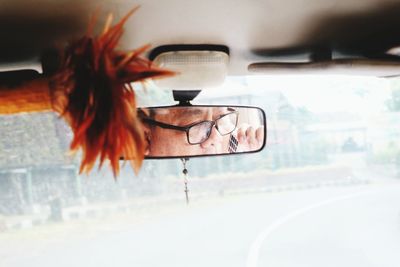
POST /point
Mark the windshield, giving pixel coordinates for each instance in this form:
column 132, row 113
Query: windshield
column 323, row 192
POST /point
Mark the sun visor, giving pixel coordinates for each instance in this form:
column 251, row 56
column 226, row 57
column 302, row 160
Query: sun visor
column 363, row 67
column 196, row 69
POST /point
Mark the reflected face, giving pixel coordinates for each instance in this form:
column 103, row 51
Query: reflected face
column 202, row 130
column 164, row 142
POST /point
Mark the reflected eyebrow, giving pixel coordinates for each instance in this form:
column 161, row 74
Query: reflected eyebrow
column 187, row 114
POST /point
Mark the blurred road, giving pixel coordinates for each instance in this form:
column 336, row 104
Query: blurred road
column 337, row 226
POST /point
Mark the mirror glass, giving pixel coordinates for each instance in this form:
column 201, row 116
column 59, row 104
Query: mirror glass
column 189, row 131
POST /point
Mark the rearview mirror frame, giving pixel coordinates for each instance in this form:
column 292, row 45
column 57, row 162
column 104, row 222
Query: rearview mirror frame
column 264, row 121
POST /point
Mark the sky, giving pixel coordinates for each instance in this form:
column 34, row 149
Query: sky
column 329, row 93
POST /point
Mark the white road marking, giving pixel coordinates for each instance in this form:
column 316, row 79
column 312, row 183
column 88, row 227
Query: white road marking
column 252, row 258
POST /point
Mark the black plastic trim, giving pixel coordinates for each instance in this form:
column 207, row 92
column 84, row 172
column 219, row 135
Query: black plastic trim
column 187, row 47
column 185, row 96
column 17, row 77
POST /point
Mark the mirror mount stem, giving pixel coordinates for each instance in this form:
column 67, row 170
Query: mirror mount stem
column 184, row 104
column 184, row 97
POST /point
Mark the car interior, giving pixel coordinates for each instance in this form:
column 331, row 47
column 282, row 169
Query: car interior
column 200, row 133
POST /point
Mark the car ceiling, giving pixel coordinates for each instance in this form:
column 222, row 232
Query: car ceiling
column 254, row 30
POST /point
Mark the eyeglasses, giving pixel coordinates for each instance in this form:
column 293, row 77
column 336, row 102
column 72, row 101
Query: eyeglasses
column 199, row 132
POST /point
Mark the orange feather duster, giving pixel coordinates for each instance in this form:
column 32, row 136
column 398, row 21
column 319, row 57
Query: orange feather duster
column 92, row 92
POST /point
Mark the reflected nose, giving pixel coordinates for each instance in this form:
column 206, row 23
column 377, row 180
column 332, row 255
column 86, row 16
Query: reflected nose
column 214, row 139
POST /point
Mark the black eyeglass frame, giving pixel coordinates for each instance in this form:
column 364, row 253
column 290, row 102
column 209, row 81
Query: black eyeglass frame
column 188, row 127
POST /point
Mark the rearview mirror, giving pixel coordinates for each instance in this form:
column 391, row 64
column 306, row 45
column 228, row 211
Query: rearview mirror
column 190, row 131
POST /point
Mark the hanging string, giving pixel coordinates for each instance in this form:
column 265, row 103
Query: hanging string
column 185, row 179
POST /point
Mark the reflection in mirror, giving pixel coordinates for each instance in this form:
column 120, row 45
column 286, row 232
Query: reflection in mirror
column 202, row 130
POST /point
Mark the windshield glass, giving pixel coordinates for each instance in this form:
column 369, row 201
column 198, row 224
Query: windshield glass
column 323, row 192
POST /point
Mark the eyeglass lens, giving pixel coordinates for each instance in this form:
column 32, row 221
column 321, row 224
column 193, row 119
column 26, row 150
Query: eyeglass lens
column 200, row 132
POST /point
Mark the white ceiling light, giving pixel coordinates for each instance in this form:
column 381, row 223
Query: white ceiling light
column 196, row 70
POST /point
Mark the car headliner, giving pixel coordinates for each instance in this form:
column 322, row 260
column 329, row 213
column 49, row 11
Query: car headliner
column 253, row 30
